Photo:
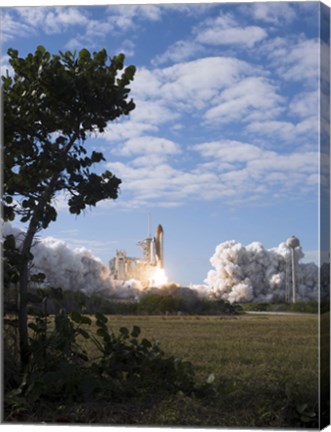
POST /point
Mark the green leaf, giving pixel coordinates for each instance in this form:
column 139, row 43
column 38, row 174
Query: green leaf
column 146, row 343
column 75, row 316
column 124, row 332
column 84, row 54
column 102, row 332
column 100, row 317
column 86, row 320
column 84, row 333
column 301, row 408
column 39, row 277
column 10, row 242
column 135, row 331
column 25, row 218
column 79, row 318
column 40, row 49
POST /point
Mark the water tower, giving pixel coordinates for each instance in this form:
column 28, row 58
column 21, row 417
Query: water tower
column 293, row 243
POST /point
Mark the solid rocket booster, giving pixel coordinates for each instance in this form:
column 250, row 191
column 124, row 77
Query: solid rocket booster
column 153, row 254
column 159, row 246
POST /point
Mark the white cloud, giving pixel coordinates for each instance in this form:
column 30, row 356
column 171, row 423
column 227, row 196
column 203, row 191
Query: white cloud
column 229, row 151
column 24, row 21
column 75, row 44
column 219, row 31
column 178, row 52
column 305, row 130
column 146, row 118
column 194, row 84
column 125, row 17
column 254, row 167
column 11, row 27
column 166, row 94
column 224, row 30
column 146, row 83
column 305, row 104
column 97, row 30
column 152, row 111
column 233, row 171
column 302, row 62
column 294, row 59
column 299, row 163
column 247, row 36
column 127, row 129
column 145, row 183
column 59, row 19
column 127, row 48
column 273, row 13
column 52, row 20
column 160, row 182
column 148, row 145
column 149, row 161
column 246, row 100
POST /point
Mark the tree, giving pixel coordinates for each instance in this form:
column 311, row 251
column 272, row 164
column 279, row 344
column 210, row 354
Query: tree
column 51, row 106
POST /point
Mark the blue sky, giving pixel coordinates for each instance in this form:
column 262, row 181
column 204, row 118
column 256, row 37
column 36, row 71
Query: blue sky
column 223, row 143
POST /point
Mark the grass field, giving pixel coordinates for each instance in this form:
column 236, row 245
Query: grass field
column 265, row 369
column 267, row 364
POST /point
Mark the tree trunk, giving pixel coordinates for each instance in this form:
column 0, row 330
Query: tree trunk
column 34, row 225
column 23, row 292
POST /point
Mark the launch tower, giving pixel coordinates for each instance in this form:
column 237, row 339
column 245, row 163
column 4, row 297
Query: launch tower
column 124, row 268
column 293, row 243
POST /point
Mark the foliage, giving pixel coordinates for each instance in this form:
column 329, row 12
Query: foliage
column 159, row 304
column 51, row 105
column 11, row 258
column 122, row 366
column 305, row 307
column 149, row 304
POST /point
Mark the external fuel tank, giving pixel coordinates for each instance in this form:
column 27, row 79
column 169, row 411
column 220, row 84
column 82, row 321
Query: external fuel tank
column 159, row 246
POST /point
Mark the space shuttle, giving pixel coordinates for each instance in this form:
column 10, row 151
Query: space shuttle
column 153, row 247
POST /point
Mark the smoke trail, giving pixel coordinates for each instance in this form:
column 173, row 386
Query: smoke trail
column 255, row 274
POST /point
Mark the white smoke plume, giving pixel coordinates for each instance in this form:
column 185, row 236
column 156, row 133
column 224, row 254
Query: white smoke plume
column 255, row 274
column 241, row 273
column 74, row 269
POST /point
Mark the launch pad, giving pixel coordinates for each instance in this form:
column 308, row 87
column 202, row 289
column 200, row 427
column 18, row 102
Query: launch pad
column 149, row 269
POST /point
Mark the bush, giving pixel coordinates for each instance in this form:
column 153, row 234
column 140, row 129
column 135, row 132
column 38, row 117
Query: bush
column 159, row 304
column 60, row 369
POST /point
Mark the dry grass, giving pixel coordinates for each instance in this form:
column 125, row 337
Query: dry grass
column 269, row 363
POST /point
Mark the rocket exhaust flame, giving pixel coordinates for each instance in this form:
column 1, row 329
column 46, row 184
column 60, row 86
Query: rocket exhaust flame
column 158, row 278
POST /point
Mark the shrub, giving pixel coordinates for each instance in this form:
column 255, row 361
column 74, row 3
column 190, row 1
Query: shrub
column 123, row 366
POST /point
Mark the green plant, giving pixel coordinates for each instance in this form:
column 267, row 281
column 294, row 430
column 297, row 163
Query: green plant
column 137, row 366
column 124, row 365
